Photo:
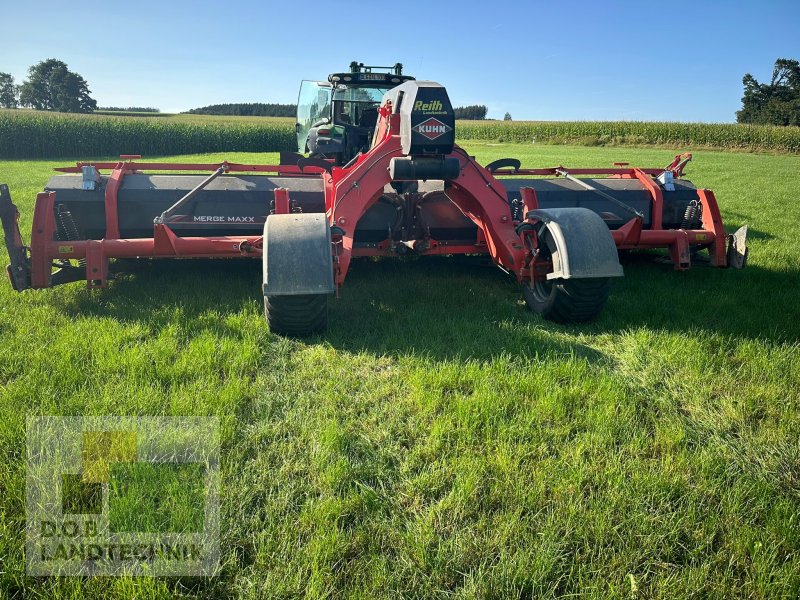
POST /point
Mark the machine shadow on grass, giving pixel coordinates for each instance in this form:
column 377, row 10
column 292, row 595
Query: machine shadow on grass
column 158, row 293
column 456, row 307
column 447, row 307
column 753, row 303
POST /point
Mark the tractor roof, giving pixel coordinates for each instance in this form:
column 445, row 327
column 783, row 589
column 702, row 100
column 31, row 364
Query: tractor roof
column 365, row 75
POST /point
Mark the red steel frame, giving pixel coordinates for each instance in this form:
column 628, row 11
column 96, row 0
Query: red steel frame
column 349, row 192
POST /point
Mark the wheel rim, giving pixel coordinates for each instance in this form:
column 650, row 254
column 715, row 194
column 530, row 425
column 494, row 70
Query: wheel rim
column 541, row 290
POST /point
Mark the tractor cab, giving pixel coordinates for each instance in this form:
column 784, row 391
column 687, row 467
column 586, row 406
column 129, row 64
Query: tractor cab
column 336, row 118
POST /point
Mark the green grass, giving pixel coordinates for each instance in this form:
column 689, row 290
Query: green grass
column 440, row 441
column 147, row 497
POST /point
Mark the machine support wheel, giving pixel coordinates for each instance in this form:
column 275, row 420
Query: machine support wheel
column 297, row 315
column 568, row 300
column 574, row 300
column 298, row 273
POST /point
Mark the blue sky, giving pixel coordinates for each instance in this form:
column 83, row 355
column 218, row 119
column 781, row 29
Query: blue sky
column 679, row 61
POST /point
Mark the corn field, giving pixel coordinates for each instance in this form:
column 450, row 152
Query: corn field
column 598, row 133
column 29, row 134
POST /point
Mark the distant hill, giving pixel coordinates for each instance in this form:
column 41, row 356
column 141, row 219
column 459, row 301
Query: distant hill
column 247, row 109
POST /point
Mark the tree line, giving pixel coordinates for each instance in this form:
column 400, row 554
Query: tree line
column 473, row 112
column 247, row 109
column 133, row 109
column 50, row 85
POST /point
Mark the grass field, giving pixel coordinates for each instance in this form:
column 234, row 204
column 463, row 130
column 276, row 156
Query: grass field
column 440, row 441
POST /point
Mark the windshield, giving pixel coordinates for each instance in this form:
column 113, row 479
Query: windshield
column 359, row 94
column 357, row 105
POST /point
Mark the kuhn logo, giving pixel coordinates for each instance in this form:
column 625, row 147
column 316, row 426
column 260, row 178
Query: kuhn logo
column 432, row 128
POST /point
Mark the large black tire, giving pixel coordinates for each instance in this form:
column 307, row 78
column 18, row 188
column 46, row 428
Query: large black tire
column 568, row 300
column 298, row 315
column 565, row 300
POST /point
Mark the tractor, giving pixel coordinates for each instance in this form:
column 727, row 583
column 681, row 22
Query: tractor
column 336, row 118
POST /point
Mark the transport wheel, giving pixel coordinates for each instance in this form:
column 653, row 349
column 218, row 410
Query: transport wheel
column 568, row 300
column 565, row 300
column 297, row 315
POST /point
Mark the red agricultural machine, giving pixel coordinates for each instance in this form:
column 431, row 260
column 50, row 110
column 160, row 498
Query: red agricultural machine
column 413, row 191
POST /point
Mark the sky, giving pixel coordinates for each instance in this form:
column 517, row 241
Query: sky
column 602, row 60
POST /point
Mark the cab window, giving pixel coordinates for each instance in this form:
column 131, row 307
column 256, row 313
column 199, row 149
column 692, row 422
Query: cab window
column 357, row 105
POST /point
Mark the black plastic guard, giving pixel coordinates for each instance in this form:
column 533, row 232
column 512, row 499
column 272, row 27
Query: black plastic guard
column 297, row 255
column 585, row 246
column 737, row 248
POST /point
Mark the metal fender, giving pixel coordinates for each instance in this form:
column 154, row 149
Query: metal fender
column 297, row 255
column 584, row 243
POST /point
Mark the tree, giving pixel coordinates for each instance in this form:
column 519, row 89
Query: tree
column 776, row 103
column 507, row 117
column 247, row 109
column 52, row 86
column 8, row 91
column 474, row 112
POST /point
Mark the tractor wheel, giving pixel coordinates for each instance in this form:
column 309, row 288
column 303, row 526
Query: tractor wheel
column 565, row 300
column 298, row 315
